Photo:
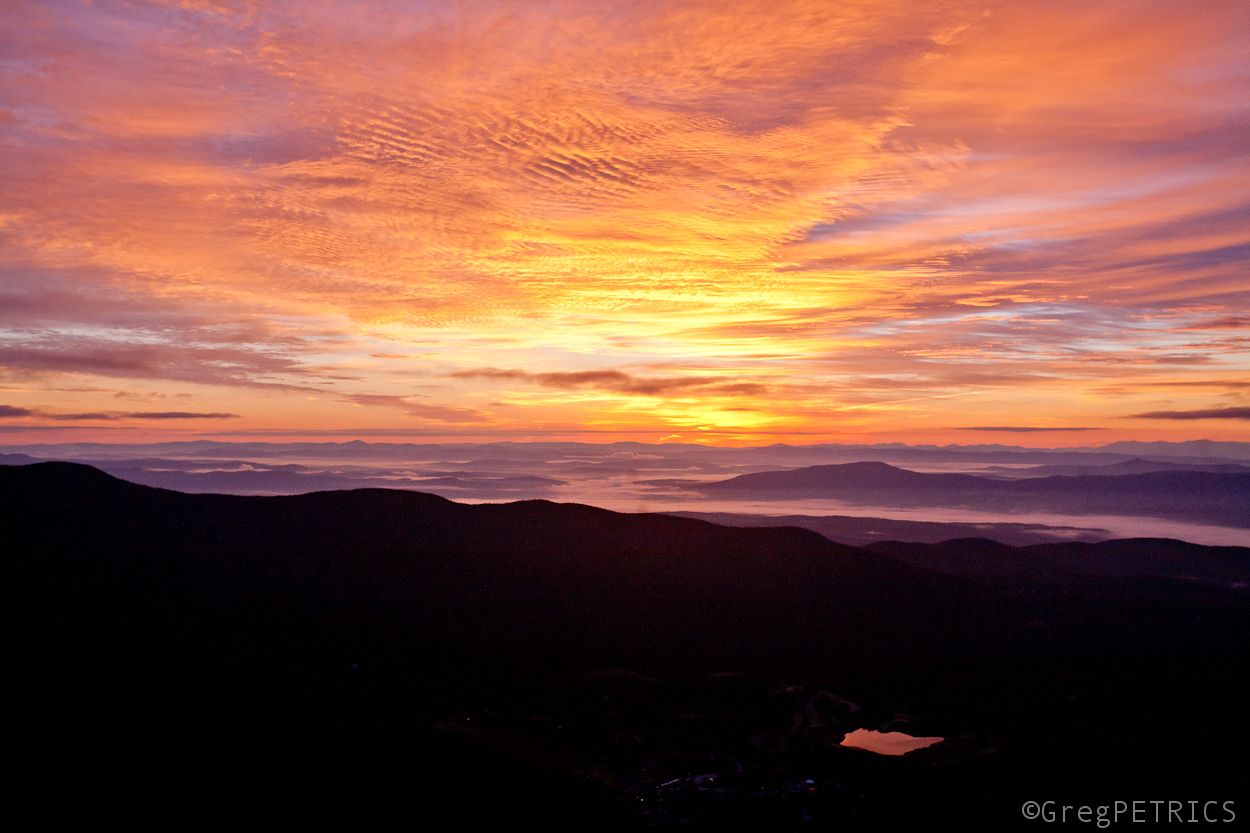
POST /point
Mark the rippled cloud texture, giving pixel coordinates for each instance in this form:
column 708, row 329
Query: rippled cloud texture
column 747, row 221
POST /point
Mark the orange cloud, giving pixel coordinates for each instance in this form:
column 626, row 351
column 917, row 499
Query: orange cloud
column 852, row 218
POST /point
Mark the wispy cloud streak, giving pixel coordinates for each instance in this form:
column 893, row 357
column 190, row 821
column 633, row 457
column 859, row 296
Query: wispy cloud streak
column 1212, row 413
column 619, row 382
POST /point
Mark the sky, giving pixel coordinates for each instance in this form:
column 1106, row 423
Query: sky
column 735, row 223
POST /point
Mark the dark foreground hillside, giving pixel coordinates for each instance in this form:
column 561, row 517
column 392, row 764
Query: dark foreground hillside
column 354, row 652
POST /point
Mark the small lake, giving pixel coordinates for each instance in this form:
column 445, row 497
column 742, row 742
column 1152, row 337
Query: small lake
column 887, row 743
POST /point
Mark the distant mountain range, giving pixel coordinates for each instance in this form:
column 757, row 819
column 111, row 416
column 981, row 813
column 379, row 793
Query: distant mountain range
column 574, row 665
column 1180, row 489
column 1134, row 466
column 1197, row 450
column 1199, row 496
column 641, row 456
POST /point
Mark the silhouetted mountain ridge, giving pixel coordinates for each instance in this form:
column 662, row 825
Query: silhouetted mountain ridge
column 1135, row 466
column 1206, row 497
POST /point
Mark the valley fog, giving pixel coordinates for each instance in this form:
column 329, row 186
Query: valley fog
column 637, row 477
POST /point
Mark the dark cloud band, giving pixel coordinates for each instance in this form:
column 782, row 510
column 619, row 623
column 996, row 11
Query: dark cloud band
column 614, row 381
column 1023, row 429
column 110, row 416
column 1213, row 413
